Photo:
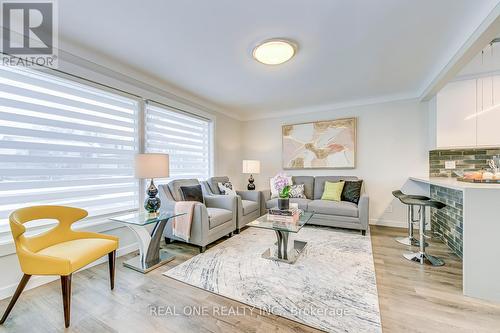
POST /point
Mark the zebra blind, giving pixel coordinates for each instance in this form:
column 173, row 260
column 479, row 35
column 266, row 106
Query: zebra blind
column 65, row 143
column 186, row 138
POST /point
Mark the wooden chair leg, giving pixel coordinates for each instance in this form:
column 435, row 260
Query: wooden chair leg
column 66, row 293
column 111, row 261
column 13, row 301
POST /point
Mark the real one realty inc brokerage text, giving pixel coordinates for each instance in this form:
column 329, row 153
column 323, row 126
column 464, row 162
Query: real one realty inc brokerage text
column 164, row 310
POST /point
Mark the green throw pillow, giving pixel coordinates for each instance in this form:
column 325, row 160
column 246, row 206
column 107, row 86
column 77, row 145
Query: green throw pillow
column 333, row 191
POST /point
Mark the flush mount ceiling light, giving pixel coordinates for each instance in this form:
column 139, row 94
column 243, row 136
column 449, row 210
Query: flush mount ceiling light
column 274, row 51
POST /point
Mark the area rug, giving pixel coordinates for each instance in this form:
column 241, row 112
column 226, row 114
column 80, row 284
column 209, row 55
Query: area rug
column 331, row 286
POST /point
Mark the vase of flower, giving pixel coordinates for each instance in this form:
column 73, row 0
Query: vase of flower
column 282, row 184
column 283, row 203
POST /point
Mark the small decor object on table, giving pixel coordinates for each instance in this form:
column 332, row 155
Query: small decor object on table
column 251, row 167
column 152, row 166
column 291, row 215
column 282, row 184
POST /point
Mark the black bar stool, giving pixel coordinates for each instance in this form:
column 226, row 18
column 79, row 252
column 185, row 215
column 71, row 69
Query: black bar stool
column 421, row 256
column 410, row 239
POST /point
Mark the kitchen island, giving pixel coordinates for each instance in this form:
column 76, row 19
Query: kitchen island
column 471, row 227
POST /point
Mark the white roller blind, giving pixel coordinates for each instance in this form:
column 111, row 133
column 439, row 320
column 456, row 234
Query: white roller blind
column 186, row 138
column 65, row 143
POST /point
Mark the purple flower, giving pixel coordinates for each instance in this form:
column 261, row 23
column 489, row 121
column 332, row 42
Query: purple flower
column 282, row 184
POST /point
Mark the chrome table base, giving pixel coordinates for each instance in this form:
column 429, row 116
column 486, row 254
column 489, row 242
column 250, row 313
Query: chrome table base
column 286, row 249
column 150, row 255
column 145, row 267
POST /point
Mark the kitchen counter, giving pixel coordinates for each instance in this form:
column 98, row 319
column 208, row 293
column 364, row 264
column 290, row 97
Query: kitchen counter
column 453, row 183
column 472, row 221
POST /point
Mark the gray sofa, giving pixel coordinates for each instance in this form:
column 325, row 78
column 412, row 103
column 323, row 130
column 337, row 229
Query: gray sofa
column 211, row 221
column 249, row 202
column 341, row 214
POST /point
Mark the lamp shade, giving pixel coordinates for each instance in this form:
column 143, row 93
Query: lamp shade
column 251, row 166
column 151, row 166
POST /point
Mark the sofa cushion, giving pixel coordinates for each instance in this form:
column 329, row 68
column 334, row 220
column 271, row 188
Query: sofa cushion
column 302, row 203
column 341, row 208
column 308, row 182
column 175, row 187
column 218, row 216
column 319, row 183
column 249, row 206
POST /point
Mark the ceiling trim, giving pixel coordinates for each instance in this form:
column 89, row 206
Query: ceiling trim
column 487, row 30
column 140, row 80
column 335, row 106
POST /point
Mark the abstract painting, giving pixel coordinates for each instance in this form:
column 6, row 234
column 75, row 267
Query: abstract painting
column 327, row 144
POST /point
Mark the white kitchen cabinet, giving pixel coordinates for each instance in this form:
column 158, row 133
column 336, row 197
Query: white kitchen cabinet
column 456, row 115
column 488, row 111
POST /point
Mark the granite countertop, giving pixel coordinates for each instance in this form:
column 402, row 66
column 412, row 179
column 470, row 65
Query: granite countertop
column 454, row 183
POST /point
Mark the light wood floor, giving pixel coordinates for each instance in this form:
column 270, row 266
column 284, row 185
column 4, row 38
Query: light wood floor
column 412, row 299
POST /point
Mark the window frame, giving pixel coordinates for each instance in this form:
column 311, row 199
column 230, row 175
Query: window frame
column 204, row 117
column 5, row 233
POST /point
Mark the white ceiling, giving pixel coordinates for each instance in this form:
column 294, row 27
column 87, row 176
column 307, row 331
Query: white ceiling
column 349, row 50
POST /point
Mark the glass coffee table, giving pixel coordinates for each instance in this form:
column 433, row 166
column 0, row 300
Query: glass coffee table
column 150, row 255
column 287, row 248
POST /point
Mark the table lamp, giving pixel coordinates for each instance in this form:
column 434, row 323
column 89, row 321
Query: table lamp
column 151, row 166
column 251, row 167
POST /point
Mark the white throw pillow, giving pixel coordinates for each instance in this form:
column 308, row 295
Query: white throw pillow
column 226, row 188
column 274, row 190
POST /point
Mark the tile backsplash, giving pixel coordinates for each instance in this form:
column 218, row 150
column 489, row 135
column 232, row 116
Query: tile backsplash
column 466, row 160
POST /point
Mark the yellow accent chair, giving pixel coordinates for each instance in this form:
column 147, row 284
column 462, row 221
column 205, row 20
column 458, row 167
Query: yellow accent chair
column 58, row 251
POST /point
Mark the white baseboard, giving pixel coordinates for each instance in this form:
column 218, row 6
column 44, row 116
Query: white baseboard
column 40, row 280
column 388, row 223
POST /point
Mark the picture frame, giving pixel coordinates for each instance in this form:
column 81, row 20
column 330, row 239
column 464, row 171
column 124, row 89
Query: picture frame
column 325, row 144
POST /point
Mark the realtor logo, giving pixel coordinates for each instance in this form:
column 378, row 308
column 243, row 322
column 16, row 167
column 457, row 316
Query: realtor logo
column 29, row 32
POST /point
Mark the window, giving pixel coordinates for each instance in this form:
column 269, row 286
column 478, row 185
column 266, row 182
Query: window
column 65, row 143
column 185, row 137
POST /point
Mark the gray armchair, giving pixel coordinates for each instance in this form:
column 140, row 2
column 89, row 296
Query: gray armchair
column 211, row 221
column 249, row 202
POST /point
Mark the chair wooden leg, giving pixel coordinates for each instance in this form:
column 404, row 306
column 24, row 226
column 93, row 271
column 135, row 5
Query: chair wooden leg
column 13, row 301
column 111, row 261
column 66, row 293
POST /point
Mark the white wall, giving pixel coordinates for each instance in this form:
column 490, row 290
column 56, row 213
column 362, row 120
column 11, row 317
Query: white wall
column 392, row 145
column 228, row 155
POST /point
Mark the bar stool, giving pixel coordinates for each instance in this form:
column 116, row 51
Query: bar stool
column 409, row 240
column 421, row 256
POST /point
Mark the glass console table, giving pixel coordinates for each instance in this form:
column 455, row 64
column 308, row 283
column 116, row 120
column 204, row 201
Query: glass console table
column 150, row 255
column 286, row 249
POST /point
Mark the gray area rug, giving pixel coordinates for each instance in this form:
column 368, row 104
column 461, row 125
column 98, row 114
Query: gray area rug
column 332, row 285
